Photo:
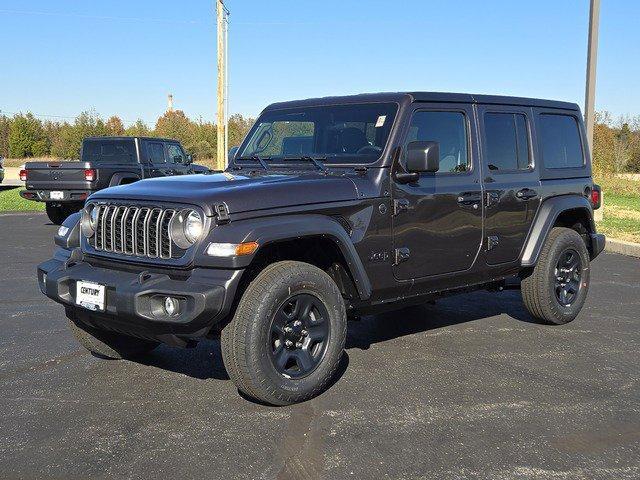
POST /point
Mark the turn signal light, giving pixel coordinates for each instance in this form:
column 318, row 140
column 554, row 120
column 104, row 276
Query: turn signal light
column 23, row 175
column 89, row 174
column 246, row 248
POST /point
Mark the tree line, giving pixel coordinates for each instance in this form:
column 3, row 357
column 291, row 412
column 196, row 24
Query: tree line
column 616, row 142
column 27, row 136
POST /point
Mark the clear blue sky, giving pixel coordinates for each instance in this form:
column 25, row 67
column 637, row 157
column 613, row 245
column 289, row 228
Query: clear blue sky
column 123, row 57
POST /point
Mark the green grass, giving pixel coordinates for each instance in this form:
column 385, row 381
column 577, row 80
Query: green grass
column 11, row 201
column 621, row 216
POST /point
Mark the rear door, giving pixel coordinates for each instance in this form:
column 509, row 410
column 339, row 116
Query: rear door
column 510, row 178
column 437, row 222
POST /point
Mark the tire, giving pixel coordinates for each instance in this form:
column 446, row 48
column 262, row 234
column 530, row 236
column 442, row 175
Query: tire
column 254, row 343
column 110, row 345
column 542, row 291
column 56, row 213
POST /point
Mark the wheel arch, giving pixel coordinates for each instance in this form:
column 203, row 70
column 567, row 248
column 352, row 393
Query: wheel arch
column 571, row 211
column 295, row 237
column 123, row 178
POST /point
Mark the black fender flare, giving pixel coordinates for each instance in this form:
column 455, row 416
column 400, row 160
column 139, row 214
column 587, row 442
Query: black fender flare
column 117, row 178
column 272, row 229
column 547, row 215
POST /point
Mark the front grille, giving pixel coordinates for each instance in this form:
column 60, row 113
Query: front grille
column 135, row 230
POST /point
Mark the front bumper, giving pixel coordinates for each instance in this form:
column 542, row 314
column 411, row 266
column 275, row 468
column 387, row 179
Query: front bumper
column 133, row 298
column 40, row 195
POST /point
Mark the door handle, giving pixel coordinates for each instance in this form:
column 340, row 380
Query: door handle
column 526, row 194
column 469, row 199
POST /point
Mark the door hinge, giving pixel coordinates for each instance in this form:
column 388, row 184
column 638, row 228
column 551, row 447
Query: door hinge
column 222, row 213
column 492, row 198
column 492, row 242
column 400, row 205
column 402, row 254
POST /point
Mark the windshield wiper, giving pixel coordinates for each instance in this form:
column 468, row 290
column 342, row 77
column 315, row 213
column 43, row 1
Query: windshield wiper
column 317, row 161
column 256, row 158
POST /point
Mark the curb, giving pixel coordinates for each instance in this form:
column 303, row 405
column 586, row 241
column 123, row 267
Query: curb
column 624, row 248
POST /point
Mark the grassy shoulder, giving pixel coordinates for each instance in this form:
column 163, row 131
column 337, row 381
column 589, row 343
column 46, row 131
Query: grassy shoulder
column 621, row 217
column 621, row 208
column 11, row 201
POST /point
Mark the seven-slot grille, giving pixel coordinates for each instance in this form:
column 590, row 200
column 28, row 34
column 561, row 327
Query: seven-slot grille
column 134, row 230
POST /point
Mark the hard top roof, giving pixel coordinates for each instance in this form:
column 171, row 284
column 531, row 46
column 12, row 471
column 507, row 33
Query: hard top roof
column 440, row 97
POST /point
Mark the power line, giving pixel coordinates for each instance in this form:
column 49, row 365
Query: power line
column 64, row 117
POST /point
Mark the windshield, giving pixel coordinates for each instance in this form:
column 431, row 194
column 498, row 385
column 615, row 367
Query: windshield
column 354, row 133
column 111, row 151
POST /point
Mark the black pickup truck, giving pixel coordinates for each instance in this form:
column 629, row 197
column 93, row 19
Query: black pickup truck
column 104, row 162
column 334, row 208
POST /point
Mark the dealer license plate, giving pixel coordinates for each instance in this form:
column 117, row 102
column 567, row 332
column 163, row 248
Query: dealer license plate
column 90, row 295
column 56, row 195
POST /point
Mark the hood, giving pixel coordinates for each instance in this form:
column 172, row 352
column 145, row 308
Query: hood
column 241, row 193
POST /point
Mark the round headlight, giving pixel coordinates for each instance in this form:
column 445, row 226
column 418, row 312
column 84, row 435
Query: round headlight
column 193, row 227
column 186, row 228
column 89, row 220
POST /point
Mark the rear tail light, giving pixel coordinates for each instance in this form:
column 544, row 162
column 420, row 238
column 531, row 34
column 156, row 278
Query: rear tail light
column 89, row 174
column 596, row 197
column 23, row 175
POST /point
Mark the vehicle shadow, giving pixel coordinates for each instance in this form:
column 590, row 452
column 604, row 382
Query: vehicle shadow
column 445, row 312
column 204, row 361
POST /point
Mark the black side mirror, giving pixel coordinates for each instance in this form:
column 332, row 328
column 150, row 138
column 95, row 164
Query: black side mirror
column 232, row 154
column 423, row 157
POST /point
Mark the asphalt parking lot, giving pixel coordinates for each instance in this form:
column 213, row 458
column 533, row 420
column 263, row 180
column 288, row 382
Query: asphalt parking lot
column 468, row 388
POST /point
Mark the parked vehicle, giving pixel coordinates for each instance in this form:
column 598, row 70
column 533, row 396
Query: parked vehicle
column 104, row 162
column 1, row 169
column 331, row 208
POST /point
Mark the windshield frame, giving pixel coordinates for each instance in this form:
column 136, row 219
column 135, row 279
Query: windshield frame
column 289, row 161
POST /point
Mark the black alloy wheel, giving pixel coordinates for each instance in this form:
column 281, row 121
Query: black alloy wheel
column 568, row 275
column 300, row 333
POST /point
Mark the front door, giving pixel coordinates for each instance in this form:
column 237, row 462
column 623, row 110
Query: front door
column 158, row 165
column 437, row 223
column 511, row 180
column 177, row 157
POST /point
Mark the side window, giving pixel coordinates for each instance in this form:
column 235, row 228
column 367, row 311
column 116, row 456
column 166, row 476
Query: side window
column 175, row 153
column 449, row 129
column 156, row 152
column 507, row 141
column 561, row 144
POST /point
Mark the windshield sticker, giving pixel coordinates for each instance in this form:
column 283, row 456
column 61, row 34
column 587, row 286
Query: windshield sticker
column 380, row 121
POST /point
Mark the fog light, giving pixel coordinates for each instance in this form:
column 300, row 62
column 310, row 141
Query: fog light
column 171, row 306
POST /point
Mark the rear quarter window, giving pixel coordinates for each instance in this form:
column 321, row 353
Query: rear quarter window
column 109, row 151
column 560, row 141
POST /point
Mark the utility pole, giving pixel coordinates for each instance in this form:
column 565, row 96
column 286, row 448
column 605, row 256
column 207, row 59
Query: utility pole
column 592, row 59
column 222, row 18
